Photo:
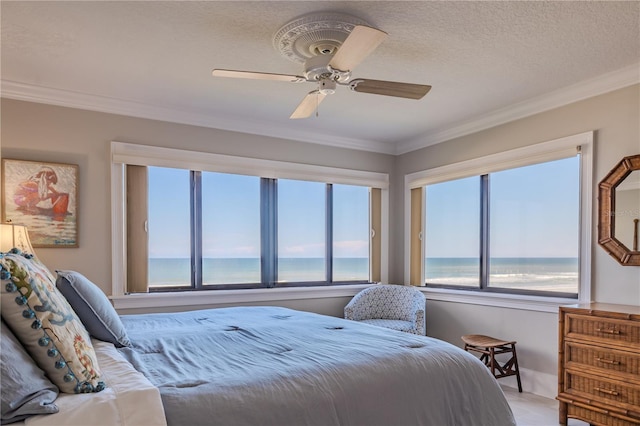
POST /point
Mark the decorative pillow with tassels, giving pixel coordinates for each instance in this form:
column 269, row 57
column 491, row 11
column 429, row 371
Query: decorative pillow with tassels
column 46, row 325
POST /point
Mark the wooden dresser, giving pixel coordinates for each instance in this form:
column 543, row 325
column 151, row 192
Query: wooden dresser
column 599, row 364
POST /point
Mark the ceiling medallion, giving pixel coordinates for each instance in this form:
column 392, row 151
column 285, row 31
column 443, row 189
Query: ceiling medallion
column 314, row 34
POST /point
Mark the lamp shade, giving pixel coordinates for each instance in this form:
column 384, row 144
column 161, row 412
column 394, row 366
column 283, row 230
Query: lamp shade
column 15, row 236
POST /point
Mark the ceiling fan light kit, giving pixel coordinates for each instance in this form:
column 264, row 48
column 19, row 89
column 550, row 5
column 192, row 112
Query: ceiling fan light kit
column 327, row 87
column 330, row 45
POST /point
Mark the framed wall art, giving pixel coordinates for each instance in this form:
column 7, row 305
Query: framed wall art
column 43, row 197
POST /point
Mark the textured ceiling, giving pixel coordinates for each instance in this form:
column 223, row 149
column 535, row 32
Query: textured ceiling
column 155, row 59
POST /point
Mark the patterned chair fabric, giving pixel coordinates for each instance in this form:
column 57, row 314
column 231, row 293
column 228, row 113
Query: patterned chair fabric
column 392, row 306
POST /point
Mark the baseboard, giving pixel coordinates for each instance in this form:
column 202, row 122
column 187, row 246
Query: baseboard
column 535, row 382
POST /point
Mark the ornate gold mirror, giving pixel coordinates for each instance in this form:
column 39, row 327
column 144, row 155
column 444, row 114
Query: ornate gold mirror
column 619, row 211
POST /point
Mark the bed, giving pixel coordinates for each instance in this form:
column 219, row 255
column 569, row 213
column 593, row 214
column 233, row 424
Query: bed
column 277, row 366
column 69, row 359
column 129, row 399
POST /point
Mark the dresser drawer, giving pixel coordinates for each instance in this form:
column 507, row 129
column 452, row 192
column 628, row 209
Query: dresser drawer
column 596, row 416
column 579, row 356
column 606, row 330
column 614, row 393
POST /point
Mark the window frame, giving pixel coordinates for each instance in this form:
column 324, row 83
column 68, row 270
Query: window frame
column 270, row 255
column 123, row 154
column 519, row 157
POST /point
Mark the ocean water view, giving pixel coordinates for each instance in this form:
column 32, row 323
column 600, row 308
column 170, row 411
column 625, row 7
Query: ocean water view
column 543, row 273
column 532, row 273
column 177, row 272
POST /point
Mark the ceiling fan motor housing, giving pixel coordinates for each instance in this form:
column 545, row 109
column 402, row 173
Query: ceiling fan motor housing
column 317, row 68
column 315, row 34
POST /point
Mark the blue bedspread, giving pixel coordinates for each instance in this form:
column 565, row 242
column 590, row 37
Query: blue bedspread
column 276, row 366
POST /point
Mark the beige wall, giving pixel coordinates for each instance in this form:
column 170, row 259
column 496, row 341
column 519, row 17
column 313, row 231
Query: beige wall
column 615, row 118
column 333, row 306
column 48, row 133
column 32, row 131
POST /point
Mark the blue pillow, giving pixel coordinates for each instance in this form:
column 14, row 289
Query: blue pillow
column 93, row 307
column 26, row 391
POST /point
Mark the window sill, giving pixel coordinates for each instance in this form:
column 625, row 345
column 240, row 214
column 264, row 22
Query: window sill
column 498, row 300
column 214, row 297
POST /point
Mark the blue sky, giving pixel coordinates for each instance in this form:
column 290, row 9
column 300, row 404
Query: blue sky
column 231, row 216
column 533, row 214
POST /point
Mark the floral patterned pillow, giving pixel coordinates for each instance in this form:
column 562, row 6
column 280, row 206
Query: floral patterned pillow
column 46, row 325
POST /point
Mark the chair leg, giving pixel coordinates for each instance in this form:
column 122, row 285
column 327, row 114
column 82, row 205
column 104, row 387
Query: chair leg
column 492, row 359
column 515, row 361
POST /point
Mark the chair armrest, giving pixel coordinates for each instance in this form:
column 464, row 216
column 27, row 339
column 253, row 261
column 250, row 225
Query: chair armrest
column 355, row 309
column 419, row 314
column 349, row 313
column 420, row 322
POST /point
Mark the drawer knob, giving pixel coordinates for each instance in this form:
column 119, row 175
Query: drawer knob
column 608, row 330
column 607, row 391
column 608, row 361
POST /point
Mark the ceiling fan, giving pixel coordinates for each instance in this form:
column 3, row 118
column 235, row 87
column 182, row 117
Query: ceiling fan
column 330, row 45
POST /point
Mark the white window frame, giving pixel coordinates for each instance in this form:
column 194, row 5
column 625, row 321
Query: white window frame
column 123, row 153
column 520, row 157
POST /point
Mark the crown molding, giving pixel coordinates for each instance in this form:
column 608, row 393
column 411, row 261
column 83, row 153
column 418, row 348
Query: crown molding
column 69, row 99
column 596, row 86
column 583, row 90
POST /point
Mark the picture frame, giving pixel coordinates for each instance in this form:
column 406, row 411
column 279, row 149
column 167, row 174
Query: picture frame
column 43, row 196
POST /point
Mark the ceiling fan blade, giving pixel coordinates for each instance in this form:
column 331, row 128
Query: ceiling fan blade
column 358, row 45
column 308, row 105
column 257, row 75
column 390, row 88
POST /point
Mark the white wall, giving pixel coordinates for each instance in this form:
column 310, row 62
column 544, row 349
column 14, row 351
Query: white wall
column 615, row 117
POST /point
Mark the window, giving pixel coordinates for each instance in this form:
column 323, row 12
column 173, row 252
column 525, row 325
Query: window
column 351, row 233
column 534, row 221
column 453, row 233
column 169, row 244
column 301, row 231
column 528, row 236
column 234, row 223
column 230, row 229
column 205, row 230
column 508, row 223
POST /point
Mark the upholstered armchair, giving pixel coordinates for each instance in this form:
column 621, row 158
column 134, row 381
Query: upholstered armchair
column 392, row 306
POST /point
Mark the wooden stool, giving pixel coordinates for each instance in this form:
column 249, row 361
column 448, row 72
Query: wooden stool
column 489, row 347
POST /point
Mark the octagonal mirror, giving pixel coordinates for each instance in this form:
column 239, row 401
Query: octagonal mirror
column 619, row 211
